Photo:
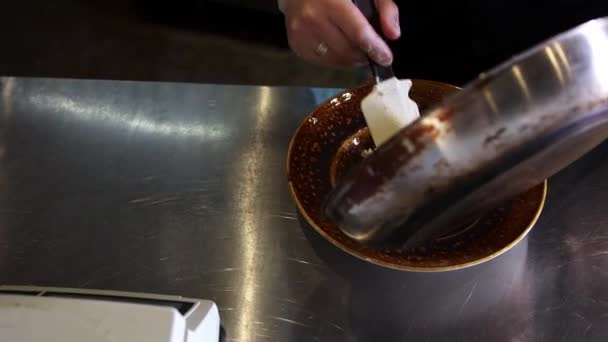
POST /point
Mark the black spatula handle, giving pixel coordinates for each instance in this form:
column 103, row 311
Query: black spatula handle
column 370, row 11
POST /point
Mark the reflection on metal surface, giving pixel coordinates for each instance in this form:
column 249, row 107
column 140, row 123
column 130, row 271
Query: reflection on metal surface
column 434, row 122
column 490, row 99
column 247, row 217
column 556, row 66
column 137, row 122
column 597, row 36
column 559, row 50
column 437, row 127
column 265, row 100
column 523, row 85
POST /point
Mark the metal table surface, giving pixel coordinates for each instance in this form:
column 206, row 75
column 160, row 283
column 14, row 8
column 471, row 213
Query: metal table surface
column 181, row 189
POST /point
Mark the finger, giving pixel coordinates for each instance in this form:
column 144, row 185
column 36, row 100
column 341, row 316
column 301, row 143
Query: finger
column 306, row 46
column 359, row 31
column 389, row 18
column 340, row 47
column 300, row 37
column 305, row 34
column 308, row 49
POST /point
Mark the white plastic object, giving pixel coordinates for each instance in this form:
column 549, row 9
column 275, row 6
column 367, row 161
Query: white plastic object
column 388, row 108
column 32, row 314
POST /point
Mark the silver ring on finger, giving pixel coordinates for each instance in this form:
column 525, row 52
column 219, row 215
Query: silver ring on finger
column 321, row 49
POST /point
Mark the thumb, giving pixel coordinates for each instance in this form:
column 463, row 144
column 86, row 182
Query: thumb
column 389, row 18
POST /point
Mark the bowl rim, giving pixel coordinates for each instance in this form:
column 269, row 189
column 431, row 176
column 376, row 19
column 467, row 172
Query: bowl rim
column 382, row 263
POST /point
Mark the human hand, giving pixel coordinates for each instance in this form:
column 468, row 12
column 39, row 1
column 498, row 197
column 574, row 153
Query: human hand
column 335, row 32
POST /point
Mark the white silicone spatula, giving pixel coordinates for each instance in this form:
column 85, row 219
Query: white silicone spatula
column 388, row 107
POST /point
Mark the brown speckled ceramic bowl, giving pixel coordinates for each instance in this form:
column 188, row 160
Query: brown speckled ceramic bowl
column 330, row 141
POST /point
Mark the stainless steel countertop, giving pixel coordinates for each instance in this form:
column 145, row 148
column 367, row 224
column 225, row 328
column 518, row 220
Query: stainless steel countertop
column 181, row 189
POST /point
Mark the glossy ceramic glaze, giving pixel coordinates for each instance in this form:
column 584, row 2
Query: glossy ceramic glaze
column 329, row 143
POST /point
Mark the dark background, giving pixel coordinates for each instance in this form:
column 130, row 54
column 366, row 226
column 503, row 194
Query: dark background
column 244, row 42
column 219, row 41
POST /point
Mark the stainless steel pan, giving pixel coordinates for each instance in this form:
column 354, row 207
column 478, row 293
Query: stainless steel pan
column 502, row 134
